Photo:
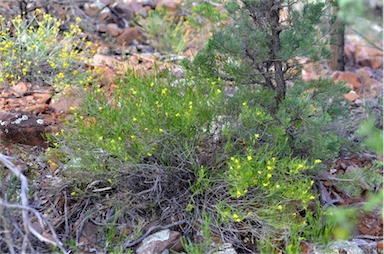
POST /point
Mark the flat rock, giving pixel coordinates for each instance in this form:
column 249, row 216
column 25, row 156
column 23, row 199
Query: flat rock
column 159, row 242
column 23, row 128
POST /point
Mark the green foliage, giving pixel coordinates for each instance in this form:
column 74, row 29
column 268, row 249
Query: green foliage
column 166, row 32
column 148, row 119
column 373, row 136
column 241, row 50
column 204, row 246
column 34, row 50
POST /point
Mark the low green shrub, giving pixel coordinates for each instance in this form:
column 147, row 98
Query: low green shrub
column 34, row 50
column 243, row 167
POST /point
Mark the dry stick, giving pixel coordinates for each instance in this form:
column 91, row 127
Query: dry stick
column 25, row 208
column 8, row 239
column 150, row 230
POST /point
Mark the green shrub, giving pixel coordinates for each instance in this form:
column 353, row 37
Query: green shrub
column 166, row 31
column 36, row 51
column 147, row 119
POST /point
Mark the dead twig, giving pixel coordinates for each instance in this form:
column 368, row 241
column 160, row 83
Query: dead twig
column 25, row 208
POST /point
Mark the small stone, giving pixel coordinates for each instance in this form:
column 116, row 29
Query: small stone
column 169, row 5
column 128, row 36
column 113, row 29
column 351, row 96
column 91, row 9
column 20, row 88
column 102, row 28
column 105, row 14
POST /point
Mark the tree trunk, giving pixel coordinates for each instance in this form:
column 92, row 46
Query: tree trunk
column 275, row 50
column 337, row 62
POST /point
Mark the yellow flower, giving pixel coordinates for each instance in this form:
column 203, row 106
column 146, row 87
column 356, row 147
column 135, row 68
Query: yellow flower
column 317, row 161
column 218, row 91
column 134, row 119
column 161, row 130
column 249, row 157
column 257, row 136
column 149, row 154
column 236, row 218
column 269, row 176
column 280, row 207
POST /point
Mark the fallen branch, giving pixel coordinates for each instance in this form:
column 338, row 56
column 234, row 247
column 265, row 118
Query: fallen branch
column 24, row 207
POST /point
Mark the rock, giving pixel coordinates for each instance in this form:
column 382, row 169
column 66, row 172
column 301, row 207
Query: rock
column 349, row 77
column 64, row 101
column 105, row 14
column 365, row 72
column 124, row 10
column 128, row 36
column 226, row 248
column 160, row 242
column 349, row 51
column 114, row 30
column 23, row 128
column 42, row 98
column 380, row 247
column 371, row 87
column 91, row 9
column 367, row 56
column 102, row 28
column 19, row 89
column 351, row 96
column 138, row 8
column 36, row 109
column 169, row 5
column 337, row 247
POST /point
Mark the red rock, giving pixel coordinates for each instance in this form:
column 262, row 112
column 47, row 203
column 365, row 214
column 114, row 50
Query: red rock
column 113, row 29
column 364, row 72
column 349, row 77
column 371, row 87
column 20, row 88
column 371, row 57
column 42, row 98
column 41, row 108
column 351, row 96
column 63, row 102
column 380, row 247
column 170, row 5
column 107, row 75
column 128, row 35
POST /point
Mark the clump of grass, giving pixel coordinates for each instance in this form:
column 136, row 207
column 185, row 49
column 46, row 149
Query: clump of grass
column 166, row 143
column 36, row 51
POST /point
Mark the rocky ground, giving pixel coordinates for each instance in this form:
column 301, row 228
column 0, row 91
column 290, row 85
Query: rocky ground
column 27, row 111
